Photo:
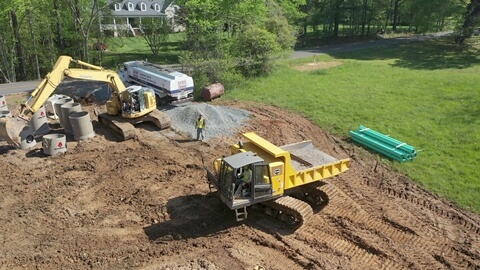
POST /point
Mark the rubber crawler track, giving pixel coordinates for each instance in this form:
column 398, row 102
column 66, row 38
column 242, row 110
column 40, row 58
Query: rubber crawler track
column 123, row 128
column 298, row 209
column 329, row 189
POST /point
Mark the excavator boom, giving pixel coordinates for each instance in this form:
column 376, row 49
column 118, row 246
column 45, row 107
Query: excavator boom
column 61, row 69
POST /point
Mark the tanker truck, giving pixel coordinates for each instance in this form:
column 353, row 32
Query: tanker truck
column 171, row 87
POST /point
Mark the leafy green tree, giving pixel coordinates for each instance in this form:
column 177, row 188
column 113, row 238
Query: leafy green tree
column 156, row 32
column 20, row 38
column 236, row 37
column 291, row 9
column 425, row 19
column 470, row 22
column 278, row 24
column 85, row 15
column 254, row 48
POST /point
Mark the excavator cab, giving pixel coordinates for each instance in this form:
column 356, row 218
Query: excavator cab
column 242, row 179
column 137, row 99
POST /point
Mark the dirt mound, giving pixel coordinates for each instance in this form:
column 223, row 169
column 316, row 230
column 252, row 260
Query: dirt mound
column 145, row 204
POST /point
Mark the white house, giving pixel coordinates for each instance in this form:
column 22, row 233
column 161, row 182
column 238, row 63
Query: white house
column 126, row 15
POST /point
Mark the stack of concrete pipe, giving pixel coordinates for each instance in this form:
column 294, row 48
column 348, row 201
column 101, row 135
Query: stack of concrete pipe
column 4, row 112
column 66, row 110
column 50, row 105
column 39, row 122
column 71, row 118
column 81, row 125
column 58, row 109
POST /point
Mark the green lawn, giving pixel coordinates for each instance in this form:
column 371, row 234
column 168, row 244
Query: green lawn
column 122, row 49
column 426, row 94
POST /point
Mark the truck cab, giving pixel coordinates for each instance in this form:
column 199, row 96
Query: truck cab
column 243, row 179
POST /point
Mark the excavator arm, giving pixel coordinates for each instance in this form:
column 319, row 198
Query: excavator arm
column 62, row 69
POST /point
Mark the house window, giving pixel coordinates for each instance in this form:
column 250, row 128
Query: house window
column 143, row 6
column 156, row 7
column 130, row 6
column 118, row 7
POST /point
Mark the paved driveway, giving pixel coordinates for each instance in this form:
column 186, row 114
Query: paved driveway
column 361, row 45
column 18, row 87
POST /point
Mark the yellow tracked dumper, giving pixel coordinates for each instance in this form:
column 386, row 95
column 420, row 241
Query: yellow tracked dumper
column 285, row 182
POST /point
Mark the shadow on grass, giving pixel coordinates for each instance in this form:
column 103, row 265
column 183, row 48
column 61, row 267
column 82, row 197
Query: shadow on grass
column 432, row 54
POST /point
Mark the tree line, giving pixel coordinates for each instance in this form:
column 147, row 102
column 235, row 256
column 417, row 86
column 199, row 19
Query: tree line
column 225, row 39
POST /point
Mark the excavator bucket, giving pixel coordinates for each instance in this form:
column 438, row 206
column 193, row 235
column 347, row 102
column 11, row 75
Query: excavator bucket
column 17, row 133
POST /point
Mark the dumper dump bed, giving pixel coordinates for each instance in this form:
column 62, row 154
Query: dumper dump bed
column 305, row 156
column 304, row 163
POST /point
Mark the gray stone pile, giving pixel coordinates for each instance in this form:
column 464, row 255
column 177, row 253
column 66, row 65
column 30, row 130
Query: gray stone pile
column 220, row 120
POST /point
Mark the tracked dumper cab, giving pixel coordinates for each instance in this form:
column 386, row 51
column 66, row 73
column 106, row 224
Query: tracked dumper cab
column 283, row 181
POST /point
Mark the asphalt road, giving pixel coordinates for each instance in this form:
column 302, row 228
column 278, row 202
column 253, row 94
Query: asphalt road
column 361, row 45
column 18, row 87
column 347, row 47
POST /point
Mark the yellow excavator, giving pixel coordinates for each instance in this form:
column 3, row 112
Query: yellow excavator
column 284, row 181
column 126, row 107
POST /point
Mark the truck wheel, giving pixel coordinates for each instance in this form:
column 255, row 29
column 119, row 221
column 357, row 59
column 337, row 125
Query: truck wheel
column 160, row 101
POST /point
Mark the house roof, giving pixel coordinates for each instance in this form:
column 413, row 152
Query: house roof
column 139, row 8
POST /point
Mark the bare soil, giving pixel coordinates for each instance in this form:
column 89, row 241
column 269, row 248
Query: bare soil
column 145, row 204
column 317, row 65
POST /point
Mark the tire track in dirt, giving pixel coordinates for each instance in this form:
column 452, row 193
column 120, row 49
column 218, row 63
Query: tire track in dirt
column 420, row 248
column 442, row 254
column 457, row 218
column 304, row 245
column 360, row 256
column 304, row 256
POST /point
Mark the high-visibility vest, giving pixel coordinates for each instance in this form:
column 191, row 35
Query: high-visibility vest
column 246, row 176
column 200, row 123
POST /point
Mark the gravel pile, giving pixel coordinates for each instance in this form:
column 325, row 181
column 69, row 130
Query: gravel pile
column 220, row 120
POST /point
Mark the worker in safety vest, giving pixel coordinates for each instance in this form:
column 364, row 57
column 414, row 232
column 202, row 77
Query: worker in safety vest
column 247, row 175
column 244, row 178
column 200, row 125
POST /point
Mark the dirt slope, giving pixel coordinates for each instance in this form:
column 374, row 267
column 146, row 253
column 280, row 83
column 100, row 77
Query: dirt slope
column 145, row 204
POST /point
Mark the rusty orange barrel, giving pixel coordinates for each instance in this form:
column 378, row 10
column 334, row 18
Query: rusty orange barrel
column 212, row 91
